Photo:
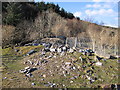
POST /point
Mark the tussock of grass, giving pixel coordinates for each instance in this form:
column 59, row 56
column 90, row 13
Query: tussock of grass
column 26, row 49
column 15, row 66
column 7, row 51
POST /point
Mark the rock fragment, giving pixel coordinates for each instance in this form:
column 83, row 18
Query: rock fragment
column 32, row 84
column 98, row 64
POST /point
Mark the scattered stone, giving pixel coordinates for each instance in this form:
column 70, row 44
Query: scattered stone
column 111, row 67
column 89, row 71
column 90, row 52
column 44, row 75
column 113, row 86
column 49, row 57
column 118, row 61
column 22, row 71
column 44, row 61
column 27, row 67
column 28, row 71
column 11, row 79
column 62, row 53
column 32, row 69
column 57, row 66
column 67, row 63
column 37, row 63
column 42, row 79
column 31, row 52
column 47, row 85
column 63, row 85
column 16, row 50
column 54, row 56
column 52, row 49
column 59, row 50
column 74, row 48
column 53, row 85
column 99, row 58
column 32, row 84
column 28, row 75
column 91, row 79
column 73, row 68
column 64, row 48
column 64, row 72
column 117, row 86
column 80, row 50
column 104, row 59
column 74, row 77
column 98, row 64
column 81, row 59
column 67, row 67
column 112, row 57
column 5, row 78
column 92, row 68
column 71, row 50
column 25, row 62
column 8, row 73
column 35, row 44
column 30, row 62
column 71, row 81
column 50, row 84
column 43, row 53
column 29, row 44
column 47, row 45
column 47, row 49
column 83, row 66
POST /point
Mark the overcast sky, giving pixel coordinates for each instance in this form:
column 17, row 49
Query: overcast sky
column 98, row 10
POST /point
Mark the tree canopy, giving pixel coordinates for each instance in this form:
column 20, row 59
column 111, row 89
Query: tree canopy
column 14, row 12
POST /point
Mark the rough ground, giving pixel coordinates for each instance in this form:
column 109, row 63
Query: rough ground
column 59, row 71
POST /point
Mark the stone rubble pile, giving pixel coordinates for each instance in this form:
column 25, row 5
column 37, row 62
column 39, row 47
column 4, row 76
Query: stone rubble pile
column 27, row 71
column 50, row 52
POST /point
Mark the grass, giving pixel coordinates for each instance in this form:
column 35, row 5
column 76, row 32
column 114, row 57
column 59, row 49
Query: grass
column 14, row 63
column 23, row 50
column 7, row 51
column 10, row 54
column 12, row 59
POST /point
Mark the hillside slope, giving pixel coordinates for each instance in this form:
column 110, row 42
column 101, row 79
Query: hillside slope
column 34, row 50
column 103, row 40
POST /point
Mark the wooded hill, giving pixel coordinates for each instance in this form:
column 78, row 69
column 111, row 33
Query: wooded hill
column 26, row 22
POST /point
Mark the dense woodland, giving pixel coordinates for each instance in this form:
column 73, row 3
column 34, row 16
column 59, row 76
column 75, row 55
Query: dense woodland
column 15, row 13
column 26, row 21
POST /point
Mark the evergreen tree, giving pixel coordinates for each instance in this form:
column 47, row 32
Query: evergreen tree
column 29, row 10
column 42, row 6
column 62, row 12
column 57, row 9
column 13, row 14
column 70, row 15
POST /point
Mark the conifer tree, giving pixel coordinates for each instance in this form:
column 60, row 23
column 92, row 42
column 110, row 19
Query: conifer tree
column 13, row 13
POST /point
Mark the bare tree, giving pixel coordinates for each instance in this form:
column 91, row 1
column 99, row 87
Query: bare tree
column 90, row 19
